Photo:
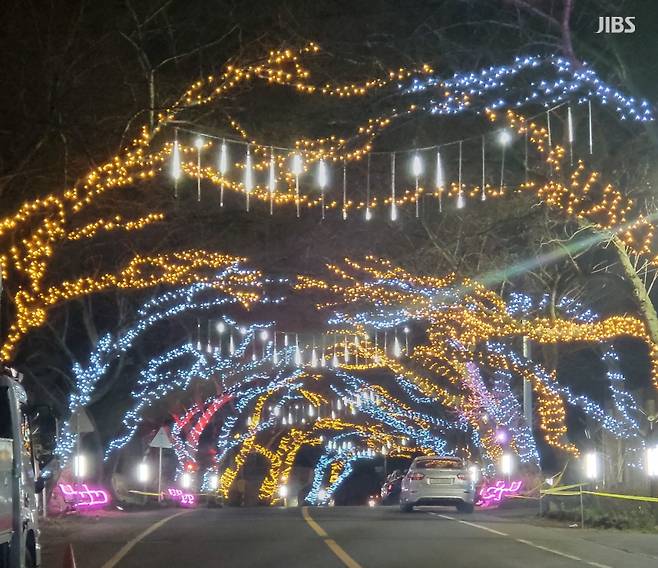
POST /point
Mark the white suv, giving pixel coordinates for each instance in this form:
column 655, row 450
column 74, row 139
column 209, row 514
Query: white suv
column 438, row 480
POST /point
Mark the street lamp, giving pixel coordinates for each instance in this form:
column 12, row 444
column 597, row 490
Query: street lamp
column 591, row 465
column 406, row 340
column 186, row 481
column 213, row 482
column 79, row 466
column 504, row 137
column 507, row 464
column 652, row 461
column 143, row 473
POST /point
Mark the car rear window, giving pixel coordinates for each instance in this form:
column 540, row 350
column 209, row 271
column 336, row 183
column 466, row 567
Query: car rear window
column 439, row 463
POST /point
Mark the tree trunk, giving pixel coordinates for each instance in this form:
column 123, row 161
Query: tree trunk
column 640, row 292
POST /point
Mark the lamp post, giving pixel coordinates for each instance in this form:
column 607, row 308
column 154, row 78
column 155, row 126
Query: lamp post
column 592, row 471
column 507, row 465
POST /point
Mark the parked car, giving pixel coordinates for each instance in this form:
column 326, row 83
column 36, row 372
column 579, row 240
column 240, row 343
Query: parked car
column 438, row 480
column 390, row 491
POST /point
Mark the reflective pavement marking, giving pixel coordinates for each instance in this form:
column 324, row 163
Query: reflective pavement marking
column 126, row 548
column 494, row 531
column 523, row 541
column 552, row 550
column 330, row 542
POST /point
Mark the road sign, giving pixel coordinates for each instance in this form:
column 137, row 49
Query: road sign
column 161, row 439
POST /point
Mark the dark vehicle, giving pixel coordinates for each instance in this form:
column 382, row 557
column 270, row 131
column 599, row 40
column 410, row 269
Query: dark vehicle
column 390, row 491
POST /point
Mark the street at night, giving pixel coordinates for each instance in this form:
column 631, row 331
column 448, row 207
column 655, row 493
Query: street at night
column 320, row 284
column 352, row 537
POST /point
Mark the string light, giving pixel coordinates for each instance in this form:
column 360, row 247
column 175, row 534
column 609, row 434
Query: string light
column 272, row 180
column 223, row 168
column 297, row 170
column 394, row 207
column 417, row 170
column 248, row 177
column 323, row 180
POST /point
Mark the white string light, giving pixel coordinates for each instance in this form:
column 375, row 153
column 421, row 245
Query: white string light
column 570, row 133
column 460, row 194
column 323, row 180
column 368, row 214
column 550, row 138
column 417, row 170
column 298, row 352
column 589, row 125
column 199, row 146
column 440, row 181
column 272, row 180
column 394, row 208
column 175, row 166
column 397, row 348
column 504, row 138
column 248, row 176
column 223, row 168
column 297, row 170
column 344, row 190
column 484, row 185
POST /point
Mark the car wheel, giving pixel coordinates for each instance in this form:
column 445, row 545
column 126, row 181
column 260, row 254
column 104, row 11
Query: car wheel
column 406, row 507
column 465, row 508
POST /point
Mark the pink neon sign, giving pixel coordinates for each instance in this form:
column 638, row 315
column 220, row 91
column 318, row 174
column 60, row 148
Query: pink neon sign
column 493, row 494
column 185, row 499
column 82, row 496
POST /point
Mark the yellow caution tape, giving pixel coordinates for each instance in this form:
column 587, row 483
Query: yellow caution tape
column 565, row 491
column 629, row 497
column 561, row 488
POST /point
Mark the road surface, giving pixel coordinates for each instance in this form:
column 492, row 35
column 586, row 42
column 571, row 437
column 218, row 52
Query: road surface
column 340, row 537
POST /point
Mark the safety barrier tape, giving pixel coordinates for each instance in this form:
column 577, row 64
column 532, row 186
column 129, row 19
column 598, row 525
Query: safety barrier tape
column 564, row 491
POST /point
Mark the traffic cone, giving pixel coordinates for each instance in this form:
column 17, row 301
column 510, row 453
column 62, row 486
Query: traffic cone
column 69, row 558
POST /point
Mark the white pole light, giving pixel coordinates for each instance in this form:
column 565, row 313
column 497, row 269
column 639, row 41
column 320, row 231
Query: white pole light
column 143, row 472
column 507, row 464
column 504, row 137
column 591, row 465
column 79, row 466
column 283, row 491
column 186, row 481
column 213, row 482
column 652, row 461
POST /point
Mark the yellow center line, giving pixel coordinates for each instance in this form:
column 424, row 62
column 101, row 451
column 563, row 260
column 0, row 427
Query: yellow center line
column 126, row 548
column 338, row 550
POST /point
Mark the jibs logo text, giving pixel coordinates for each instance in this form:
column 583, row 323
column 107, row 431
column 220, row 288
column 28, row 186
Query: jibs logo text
column 616, row 25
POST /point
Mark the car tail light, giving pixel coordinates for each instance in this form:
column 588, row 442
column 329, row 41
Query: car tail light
column 416, row 476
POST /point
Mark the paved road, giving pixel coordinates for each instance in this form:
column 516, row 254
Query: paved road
column 352, row 537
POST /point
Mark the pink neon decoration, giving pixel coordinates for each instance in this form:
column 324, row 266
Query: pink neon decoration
column 491, row 494
column 82, row 496
column 185, row 499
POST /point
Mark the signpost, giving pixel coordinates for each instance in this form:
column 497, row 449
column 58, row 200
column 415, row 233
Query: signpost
column 160, row 440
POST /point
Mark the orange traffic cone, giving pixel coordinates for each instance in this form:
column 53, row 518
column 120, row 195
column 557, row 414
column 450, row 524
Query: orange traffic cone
column 69, row 558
